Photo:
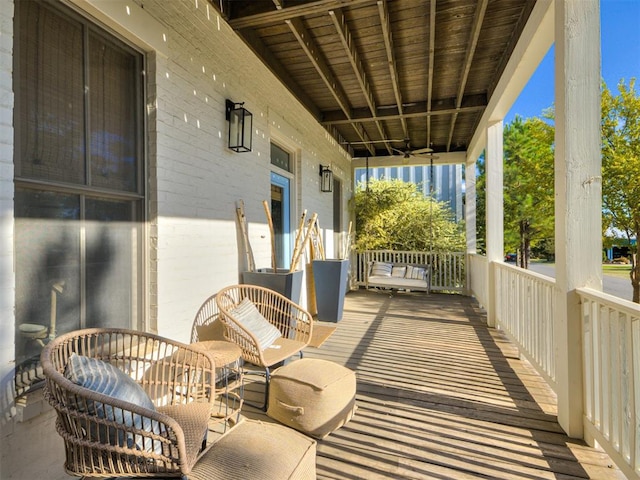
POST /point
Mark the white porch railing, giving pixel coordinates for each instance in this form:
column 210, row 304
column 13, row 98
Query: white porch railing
column 611, row 346
column 478, row 274
column 447, row 268
column 525, row 304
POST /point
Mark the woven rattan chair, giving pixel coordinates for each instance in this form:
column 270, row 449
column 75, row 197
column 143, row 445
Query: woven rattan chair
column 175, row 376
column 206, row 324
column 207, row 332
column 294, row 323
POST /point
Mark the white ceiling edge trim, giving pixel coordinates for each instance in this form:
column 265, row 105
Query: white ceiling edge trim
column 397, row 160
column 534, row 43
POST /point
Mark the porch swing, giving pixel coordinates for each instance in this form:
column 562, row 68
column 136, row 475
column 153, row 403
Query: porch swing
column 386, row 269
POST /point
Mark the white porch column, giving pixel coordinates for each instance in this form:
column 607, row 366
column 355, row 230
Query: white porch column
column 470, row 215
column 578, row 191
column 494, row 209
column 470, row 205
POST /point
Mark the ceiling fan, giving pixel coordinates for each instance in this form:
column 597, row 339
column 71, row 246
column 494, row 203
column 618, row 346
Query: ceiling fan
column 407, row 152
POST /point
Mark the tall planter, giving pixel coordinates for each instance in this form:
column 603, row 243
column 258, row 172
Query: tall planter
column 282, row 281
column 330, row 278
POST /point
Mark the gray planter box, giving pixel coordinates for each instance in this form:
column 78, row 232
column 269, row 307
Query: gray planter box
column 282, row 281
column 330, row 279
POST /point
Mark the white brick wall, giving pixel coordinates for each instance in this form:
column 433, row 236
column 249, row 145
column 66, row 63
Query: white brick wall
column 199, row 179
column 195, row 180
column 7, row 409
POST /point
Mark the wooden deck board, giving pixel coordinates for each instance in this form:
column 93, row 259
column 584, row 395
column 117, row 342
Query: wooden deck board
column 441, row 396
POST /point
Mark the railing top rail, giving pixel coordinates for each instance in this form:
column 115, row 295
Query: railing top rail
column 412, row 252
column 526, row 273
column 621, row 304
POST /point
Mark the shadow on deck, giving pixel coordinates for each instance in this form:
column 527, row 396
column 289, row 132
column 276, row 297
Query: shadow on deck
column 441, row 395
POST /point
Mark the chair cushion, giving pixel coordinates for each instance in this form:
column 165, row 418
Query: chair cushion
column 212, row 331
column 102, row 377
column 248, row 315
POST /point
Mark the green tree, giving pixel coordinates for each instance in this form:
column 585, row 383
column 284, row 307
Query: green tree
column 394, row 215
column 621, row 169
column 481, row 187
column 528, row 187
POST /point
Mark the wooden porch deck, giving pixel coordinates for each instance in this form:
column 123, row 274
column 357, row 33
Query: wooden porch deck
column 442, row 396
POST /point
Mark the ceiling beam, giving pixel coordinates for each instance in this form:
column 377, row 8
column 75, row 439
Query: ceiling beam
column 452, row 158
column 430, row 69
column 340, row 22
column 316, row 57
column 391, row 59
column 289, row 13
column 466, row 66
column 257, row 46
column 405, row 115
column 471, row 103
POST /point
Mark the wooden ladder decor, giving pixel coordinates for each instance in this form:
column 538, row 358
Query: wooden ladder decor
column 242, row 221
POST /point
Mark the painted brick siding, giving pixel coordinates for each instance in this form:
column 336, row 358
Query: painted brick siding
column 199, row 180
column 6, row 187
column 7, row 324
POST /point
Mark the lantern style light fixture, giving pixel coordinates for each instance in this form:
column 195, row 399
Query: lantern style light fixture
column 240, row 126
column 326, row 179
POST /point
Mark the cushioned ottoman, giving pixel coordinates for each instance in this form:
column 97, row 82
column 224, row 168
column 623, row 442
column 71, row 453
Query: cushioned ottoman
column 313, row 396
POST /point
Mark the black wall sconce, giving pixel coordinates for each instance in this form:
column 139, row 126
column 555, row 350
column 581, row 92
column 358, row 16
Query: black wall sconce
column 326, row 179
column 240, row 126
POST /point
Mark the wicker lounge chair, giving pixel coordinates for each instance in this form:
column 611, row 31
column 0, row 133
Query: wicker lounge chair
column 207, row 333
column 294, row 326
column 106, row 436
column 206, row 324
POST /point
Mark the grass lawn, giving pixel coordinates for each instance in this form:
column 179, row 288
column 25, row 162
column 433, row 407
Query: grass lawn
column 621, row 271
column 614, row 270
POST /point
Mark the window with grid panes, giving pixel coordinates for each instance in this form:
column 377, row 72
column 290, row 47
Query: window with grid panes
column 79, row 179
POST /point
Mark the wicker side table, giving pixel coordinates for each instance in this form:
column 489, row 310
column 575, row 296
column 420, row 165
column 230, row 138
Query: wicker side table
column 229, row 380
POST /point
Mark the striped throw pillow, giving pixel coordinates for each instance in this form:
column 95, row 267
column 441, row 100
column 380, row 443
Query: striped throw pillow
column 381, row 269
column 104, row 378
column 248, row 315
column 418, row 273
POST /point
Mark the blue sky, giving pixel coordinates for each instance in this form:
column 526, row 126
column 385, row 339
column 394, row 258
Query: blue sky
column 620, row 35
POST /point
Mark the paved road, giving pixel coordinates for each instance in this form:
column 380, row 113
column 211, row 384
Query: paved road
column 620, row 287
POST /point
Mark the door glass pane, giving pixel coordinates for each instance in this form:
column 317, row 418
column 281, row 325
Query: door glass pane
column 277, row 199
column 51, row 95
column 112, row 127
column 337, row 205
column 111, row 271
column 47, row 252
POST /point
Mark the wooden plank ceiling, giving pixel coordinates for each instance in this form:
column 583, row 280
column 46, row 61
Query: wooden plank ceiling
column 382, row 75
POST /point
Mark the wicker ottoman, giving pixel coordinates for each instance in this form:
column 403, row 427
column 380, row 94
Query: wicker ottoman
column 258, row 450
column 313, row 396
